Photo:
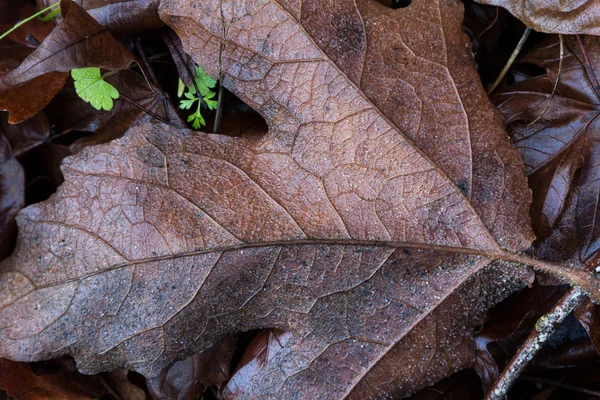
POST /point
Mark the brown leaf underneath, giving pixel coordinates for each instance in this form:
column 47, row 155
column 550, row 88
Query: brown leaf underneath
column 21, row 383
column 569, row 17
column 25, row 101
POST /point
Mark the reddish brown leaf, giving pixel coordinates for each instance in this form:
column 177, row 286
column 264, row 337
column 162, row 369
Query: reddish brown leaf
column 560, row 149
column 375, row 221
column 588, row 315
column 12, row 196
column 24, row 101
column 187, row 379
column 15, row 11
column 121, row 16
column 79, row 41
column 569, row 17
column 20, row 383
column 26, row 135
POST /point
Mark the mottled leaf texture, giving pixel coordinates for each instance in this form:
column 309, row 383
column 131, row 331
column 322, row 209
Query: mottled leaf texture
column 375, row 221
column 560, row 149
column 569, row 17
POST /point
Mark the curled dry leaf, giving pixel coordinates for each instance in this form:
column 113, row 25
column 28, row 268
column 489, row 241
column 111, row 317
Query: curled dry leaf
column 560, row 149
column 569, row 17
column 375, row 221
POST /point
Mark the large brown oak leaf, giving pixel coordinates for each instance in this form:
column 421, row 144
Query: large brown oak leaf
column 375, row 221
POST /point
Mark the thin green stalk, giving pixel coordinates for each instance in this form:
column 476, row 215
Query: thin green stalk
column 21, row 23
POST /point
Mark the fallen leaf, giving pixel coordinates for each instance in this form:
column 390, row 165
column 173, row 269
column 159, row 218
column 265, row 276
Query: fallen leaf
column 558, row 139
column 77, row 42
column 25, row 101
column 376, row 220
column 27, row 135
column 570, row 17
column 12, row 196
column 12, row 13
column 21, row 383
column 187, row 379
column 263, row 347
column 120, row 16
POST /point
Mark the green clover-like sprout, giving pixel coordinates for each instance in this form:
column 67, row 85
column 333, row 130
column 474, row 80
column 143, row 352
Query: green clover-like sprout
column 92, row 89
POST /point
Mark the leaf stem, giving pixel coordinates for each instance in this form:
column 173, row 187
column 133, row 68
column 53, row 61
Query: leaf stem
column 144, row 109
column 536, row 339
column 510, row 61
column 23, row 22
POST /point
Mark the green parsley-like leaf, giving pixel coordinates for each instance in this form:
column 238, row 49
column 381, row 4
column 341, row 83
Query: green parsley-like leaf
column 92, row 89
column 205, row 85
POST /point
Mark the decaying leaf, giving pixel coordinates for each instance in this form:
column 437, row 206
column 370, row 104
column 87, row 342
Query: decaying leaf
column 560, row 149
column 12, row 196
column 120, row 16
column 187, row 379
column 375, row 222
column 19, row 381
column 79, row 41
column 569, row 17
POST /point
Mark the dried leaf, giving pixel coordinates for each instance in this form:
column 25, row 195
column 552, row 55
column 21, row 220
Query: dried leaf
column 26, row 135
column 120, row 16
column 560, row 149
column 187, row 379
column 25, row 101
column 569, row 17
column 12, row 196
column 78, row 42
column 375, row 221
column 20, row 383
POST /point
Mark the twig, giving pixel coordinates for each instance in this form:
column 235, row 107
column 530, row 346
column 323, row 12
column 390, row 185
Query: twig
column 567, row 386
column 543, row 329
column 218, row 114
column 510, row 61
column 144, row 109
column 560, row 61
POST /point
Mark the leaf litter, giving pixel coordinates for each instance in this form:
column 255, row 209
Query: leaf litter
column 373, row 223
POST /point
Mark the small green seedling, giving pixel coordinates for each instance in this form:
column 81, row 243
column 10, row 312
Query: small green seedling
column 92, row 88
column 205, row 85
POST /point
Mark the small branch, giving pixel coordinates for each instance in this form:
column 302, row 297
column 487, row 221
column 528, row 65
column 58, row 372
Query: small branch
column 543, row 329
column 510, row 61
column 560, row 62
